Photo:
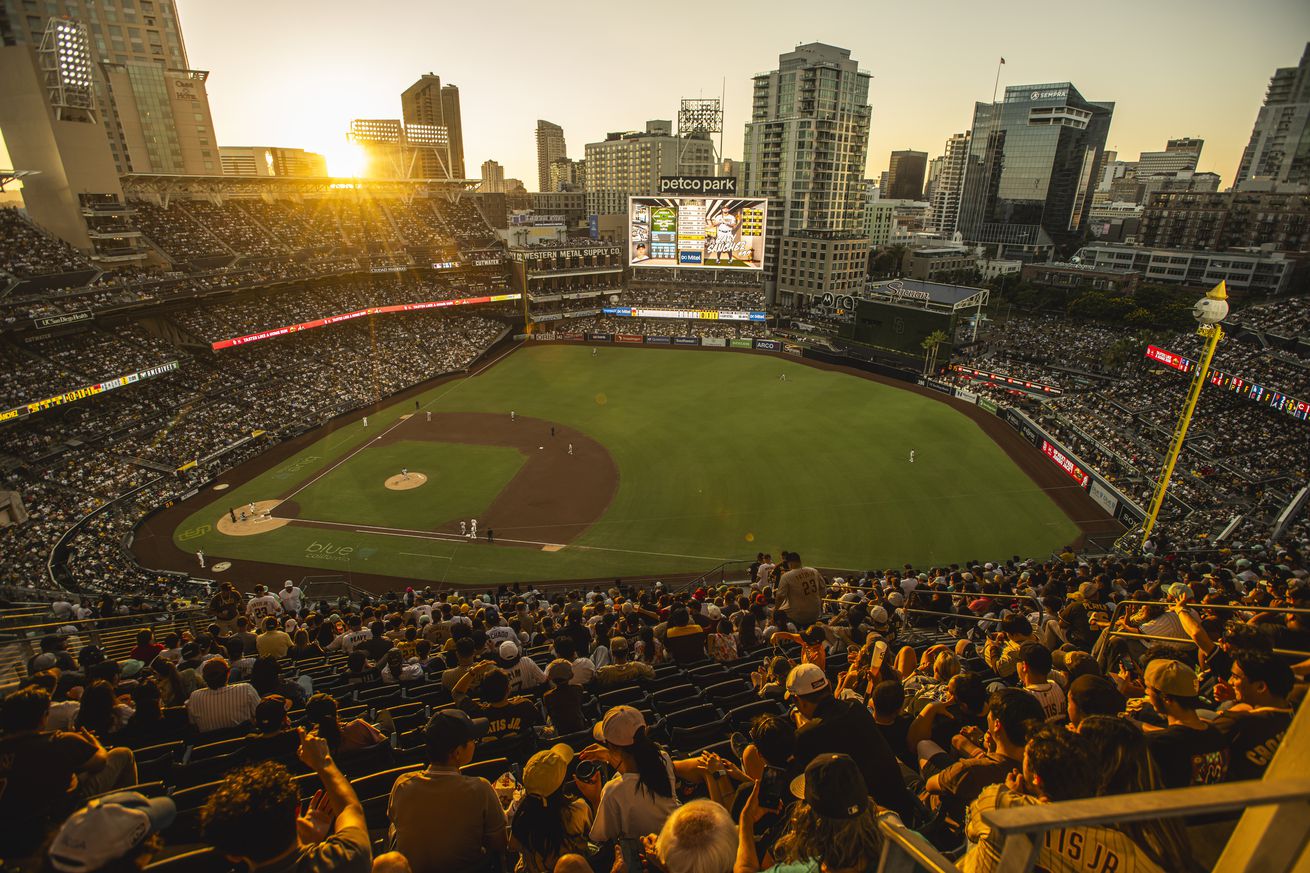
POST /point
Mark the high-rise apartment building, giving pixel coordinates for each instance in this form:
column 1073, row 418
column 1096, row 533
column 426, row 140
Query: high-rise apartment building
column 806, row 147
column 152, row 107
column 1034, row 160
column 934, row 173
column 432, row 119
column 905, row 175
column 1280, row 143
column 629, row 164
column 566, row 175
column 550, row 148
column 270, row 161
column 493, row 178
column 1178, row 155
column 944, row 217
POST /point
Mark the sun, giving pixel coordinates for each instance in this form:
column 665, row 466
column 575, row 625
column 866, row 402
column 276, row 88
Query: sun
column 344, row 159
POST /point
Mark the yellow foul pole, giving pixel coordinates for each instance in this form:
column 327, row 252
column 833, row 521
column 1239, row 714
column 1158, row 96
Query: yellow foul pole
column 1213, row 333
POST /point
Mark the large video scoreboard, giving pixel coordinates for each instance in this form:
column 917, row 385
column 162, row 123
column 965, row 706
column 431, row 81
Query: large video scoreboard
column 697, row 232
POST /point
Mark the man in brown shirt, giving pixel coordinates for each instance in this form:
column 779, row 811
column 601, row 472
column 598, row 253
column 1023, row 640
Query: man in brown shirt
column 441, row 820
column 1012, row 714
column 800, row 594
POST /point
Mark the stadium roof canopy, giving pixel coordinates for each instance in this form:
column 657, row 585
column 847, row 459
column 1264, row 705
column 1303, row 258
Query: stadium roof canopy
column 926, row 295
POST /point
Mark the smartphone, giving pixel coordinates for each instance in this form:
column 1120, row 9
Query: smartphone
column 630, row 851
column 1127, row 666
column 773, row 787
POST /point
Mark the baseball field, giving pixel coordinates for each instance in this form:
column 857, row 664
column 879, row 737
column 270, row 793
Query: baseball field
column 625, row 462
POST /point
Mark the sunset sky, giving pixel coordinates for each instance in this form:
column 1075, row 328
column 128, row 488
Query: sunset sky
column 295, row 73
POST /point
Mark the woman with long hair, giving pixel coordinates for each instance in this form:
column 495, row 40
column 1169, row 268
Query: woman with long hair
column 833, row 825
column 748, row 633
column 720, row 643
column 547, row 824
column 648, row 649
column 302, row 648
column 266, row 677
column 1126, row 767
column 99, row 712
column 641, row 795
column 342, row 738
column 174, row 689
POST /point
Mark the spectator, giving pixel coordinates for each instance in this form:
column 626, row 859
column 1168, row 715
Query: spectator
column 1002, row 650
column 442, row 820
column 889, row 715
column 1255, row 725
column 342, row 737
column 799, row 598
column 640, row 796
column 251, row 817
column 273, row 641
column 1092, row 695
column 146, row 649
column 302, row 648
column 699, row 837
column 845, row 726
column 546, row 823
column 40, row 769
column 504, row 715
column 684, row 638
column 1189, row 750
column 523, row 672
column 833, row 827
column 1034, row 671
column 563, row 700
column 100, row 712
column 219, row 705
column 120, row 831
column 621, row 671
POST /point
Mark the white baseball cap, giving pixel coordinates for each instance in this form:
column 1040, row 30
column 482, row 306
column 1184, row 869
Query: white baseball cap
column 878, row 615
column 107, row 829
column 509, row 650
column 620, row 726
column 288, row 584
column 805, row 679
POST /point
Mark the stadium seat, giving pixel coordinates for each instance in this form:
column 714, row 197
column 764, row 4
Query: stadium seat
column 206, row 860
column 740, row 717
column 692, row 716
column 720, row 689
column 490, row 769
column 673, row 694
column 149, row 789
column 215, row 749
column 688, row 739
column 401, row 717
column 634, row 696
column 367, row 760
column 516, row 747
column 576, row 741
column 386, row 695
column 736, row 699
column 374, row 790
column 667, row 680
column 156, row 763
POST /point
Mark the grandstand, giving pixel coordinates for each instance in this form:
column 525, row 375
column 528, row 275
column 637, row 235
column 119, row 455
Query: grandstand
column 896, row 668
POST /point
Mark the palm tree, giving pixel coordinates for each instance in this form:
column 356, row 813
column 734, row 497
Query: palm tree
column 930, row 345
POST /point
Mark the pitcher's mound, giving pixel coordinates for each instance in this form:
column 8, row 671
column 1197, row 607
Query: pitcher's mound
column 261, row 521
column 404, row 483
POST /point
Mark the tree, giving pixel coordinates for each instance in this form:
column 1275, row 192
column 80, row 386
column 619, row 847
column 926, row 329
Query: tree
column 930, row 345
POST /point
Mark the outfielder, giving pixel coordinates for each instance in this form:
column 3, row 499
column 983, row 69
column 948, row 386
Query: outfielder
column 200, row 556
column 511, row 415
column 911, row 456
column 570, row 448
column 366, row 421
column 429, row 415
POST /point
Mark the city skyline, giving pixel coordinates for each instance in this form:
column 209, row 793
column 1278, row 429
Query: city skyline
column 1194, row 69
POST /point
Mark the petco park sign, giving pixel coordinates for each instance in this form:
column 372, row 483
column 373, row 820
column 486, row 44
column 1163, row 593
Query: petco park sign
column 698, row 185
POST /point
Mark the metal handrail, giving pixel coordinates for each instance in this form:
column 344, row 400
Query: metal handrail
column 905, row 850
column 1101, row 643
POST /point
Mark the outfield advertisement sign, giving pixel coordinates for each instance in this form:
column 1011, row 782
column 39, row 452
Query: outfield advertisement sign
column 359, row 313
column 694, row 314
column 686, row 340
column 628, row 338
column 86, row 391
column 659, row 340
column 987, row 404
column 741, row 343
column 768, row 345
column 1065, row 463
column 600, row 337
column 696, row 232
column 716, row 342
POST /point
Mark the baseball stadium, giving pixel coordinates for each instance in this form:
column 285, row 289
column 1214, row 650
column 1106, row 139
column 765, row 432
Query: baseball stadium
column 410, row 522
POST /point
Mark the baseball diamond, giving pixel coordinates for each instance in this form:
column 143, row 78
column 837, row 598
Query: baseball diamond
column 680, row 460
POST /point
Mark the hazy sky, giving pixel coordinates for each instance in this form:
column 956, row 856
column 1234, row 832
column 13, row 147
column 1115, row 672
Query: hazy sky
column 294, row 73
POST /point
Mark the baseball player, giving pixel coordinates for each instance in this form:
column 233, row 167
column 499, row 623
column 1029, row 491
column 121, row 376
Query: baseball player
column 404, row 472
column 232, row 513
column 593, row 352
column 473, row 529
column 252, row 507
column 511, row 415
column 726, row 223
column 366, row 421
column 429, row 415
column 200, row 556
column 570, row 448
column 463, row 528
column 911, row 456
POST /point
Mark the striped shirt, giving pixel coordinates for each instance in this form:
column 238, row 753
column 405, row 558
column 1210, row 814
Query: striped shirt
column 212, row 709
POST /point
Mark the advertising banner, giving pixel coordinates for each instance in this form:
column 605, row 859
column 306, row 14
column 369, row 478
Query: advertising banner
column 1004, row 380
column 593, row 226
column 696, row 314
column 967, row 396
column 1239, row 385
column 86, row 391
column 554, row 316
column 571, row 337
column 768, row 345
column 716, row 342
column 359, row 313
column 987, row 404
column 696, row 232
column 599, row 337
column 793, row 349
column 628, row 338
column 61, row 320
column 741, row 344
column 1104, row 497
column 686, row 341
column 940, row 386
column 659, row 340
column 1065, row 463
column 582, row 313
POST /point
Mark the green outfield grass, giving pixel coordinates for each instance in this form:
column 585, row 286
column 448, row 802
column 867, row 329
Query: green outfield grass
column 717, row 459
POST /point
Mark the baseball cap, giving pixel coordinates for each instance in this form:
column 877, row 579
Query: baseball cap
column 452, row 728
column 878, row 615
column 43, row 661
column 619, row 644
column 544, row 773
column 559, row 670
column 1087, row 589
column 805, row 679
column 108, row 828
column 713, row 612
column 833, row 786
column 620, row 726
column 896, row 599
column 290, row 584
column 131, row 667
column 508, row 651
column 1172, row 677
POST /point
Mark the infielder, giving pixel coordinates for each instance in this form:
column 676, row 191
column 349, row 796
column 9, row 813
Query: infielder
column 473, row 529
column 200, row 556
column 429, row 415
column 511, row 415
column 463, row 528
column 570, row 448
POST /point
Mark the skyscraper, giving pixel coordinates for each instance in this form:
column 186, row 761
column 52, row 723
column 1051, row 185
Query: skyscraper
column 493, row 178
column 431, row 115
column 630, row 163
column 550, row 148
column 1034, row 160
column 806, row 147
column 152, row 107
column 944, row 217
column 905, row 175
column 1280, row 143
column 1178, row 155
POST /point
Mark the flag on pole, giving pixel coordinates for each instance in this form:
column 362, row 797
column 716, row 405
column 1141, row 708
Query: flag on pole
column 1002, row 60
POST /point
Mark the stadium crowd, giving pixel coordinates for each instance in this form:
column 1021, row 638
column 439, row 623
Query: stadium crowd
column 786, row 722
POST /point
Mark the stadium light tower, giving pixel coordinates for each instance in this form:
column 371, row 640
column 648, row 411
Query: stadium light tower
column 1209, row 311
column 699, row 116
column 65, row 59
